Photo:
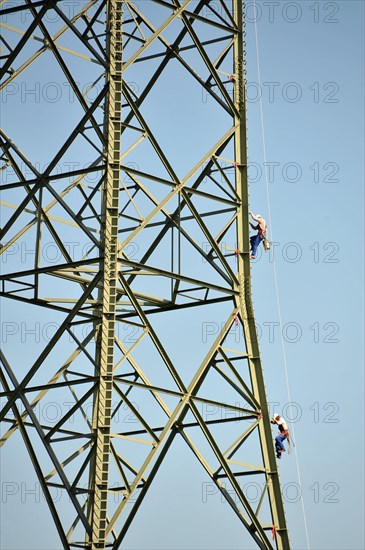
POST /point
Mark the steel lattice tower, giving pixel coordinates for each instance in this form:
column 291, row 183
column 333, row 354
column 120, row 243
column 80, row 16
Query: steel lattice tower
column 166, row 237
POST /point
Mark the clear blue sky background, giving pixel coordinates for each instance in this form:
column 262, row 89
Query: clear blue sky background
column 323, row 291
column 312, row 88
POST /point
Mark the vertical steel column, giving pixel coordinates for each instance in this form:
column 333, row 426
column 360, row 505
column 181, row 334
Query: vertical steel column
column 244, row 302
column 108, row 295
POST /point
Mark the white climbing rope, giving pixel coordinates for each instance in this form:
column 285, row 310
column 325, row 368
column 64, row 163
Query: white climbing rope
column 275, row 274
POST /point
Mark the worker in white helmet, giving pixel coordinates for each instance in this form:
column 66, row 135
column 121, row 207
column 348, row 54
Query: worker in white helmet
column 255, row 240
column 283, row 434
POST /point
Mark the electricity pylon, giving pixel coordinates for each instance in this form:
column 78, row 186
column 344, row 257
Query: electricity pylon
column 161, row 209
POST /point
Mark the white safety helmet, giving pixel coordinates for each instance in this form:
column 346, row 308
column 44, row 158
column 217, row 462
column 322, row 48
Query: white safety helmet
column 258, row 216
column 276, row 415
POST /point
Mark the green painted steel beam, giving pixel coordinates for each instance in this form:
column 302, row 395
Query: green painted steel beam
column 245, row 300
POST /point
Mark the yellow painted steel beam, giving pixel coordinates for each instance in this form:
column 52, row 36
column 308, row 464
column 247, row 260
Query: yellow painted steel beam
column 102, row 414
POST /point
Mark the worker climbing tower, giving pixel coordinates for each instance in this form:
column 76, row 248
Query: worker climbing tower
column 125, row 246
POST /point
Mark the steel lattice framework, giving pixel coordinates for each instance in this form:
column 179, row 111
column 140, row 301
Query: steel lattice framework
column 166, row 236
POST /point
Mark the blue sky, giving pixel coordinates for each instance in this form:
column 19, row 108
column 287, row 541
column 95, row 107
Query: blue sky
column 322, row 215
column 312, row 87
